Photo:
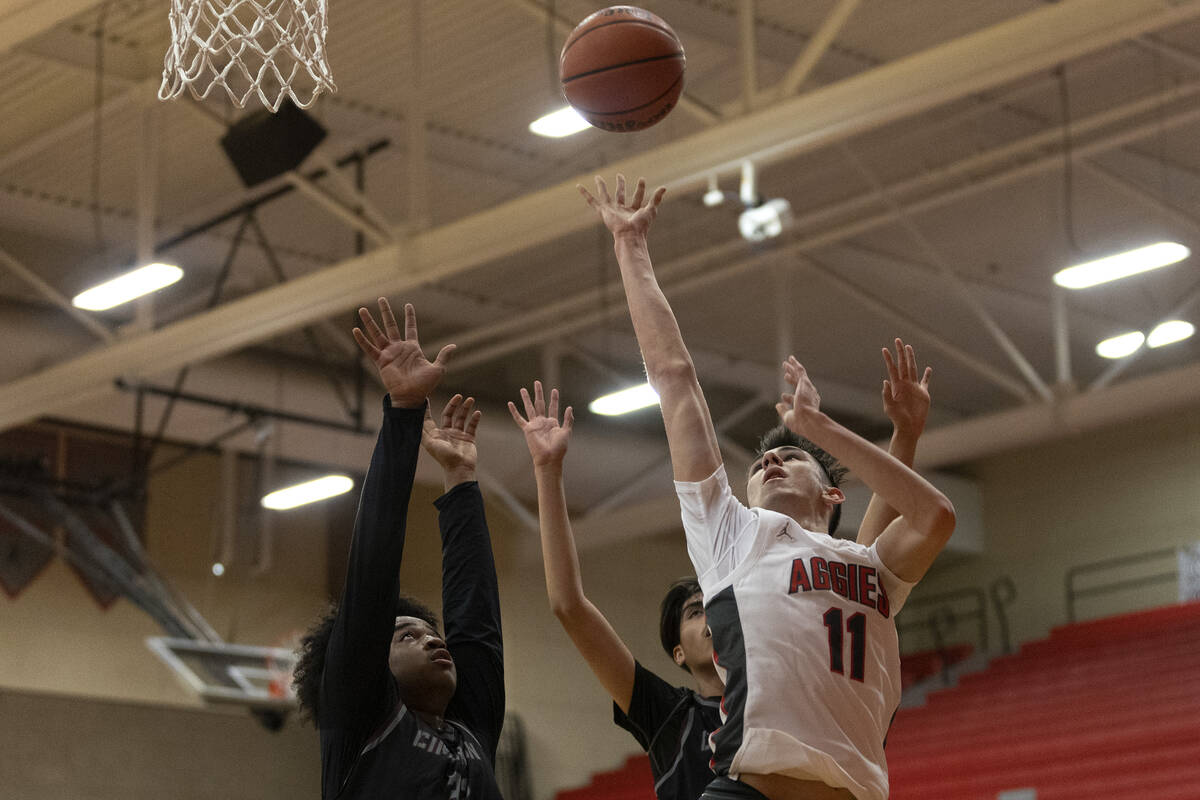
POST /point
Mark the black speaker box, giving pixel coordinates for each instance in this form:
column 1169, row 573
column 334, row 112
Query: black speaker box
column 263, row 145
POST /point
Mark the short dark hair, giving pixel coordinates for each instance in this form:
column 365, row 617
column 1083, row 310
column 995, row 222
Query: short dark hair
column 671, row 613
column 782, row 436
column 310, row 656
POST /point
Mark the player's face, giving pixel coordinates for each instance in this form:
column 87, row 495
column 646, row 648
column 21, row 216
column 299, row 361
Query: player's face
column 694, row 636
column 783, row 471
column 420, row 662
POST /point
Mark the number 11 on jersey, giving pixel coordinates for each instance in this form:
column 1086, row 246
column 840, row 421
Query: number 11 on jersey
column 857, row 626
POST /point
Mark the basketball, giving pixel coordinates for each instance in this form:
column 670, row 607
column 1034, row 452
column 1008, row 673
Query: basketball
column 622, row 69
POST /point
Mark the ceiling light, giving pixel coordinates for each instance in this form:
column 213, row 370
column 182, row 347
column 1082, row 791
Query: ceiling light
column 557, row 124
column 714, row 196
column 308, row 492
column 624, row 401
column 218, row 569
column 1175, row 330
column 1121, row 265
column 766, row 221
column 129, row 286
column 1120, row 346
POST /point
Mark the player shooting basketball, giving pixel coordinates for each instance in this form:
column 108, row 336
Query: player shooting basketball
column 672, row 723
column 402, row 710
column 802, row 623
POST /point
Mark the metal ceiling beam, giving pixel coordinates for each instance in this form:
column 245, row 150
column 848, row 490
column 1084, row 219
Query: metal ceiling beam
column 817, row 45
column 964, row 292
column 987, row 58
column 583, row 310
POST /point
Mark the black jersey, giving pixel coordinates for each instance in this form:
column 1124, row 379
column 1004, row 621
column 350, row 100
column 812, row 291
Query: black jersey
column 672, row 724
column 372, row 746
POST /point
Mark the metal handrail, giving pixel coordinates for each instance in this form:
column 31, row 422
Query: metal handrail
column 943, row 611
column 1102, row 565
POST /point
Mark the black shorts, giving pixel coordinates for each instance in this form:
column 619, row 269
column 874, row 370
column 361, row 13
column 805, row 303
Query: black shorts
column 729, row 789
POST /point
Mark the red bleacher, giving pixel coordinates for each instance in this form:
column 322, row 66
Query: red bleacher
column 633, row 781
column 1105, row 709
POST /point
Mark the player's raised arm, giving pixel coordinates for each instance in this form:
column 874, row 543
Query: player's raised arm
column 607, row 655
column 906, row 403
column 911, row 542
column 690, row 434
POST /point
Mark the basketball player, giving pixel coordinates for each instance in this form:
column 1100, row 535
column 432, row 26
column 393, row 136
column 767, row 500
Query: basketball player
column 672, row 724
column 403, row 711
column 802, row 623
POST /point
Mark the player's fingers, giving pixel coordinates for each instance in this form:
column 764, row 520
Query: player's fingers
column 552, row 411
column 443, row 356
column 602, row 191
column 658, row 196
column 639, row 194
column 369, row 349
column 887, row 392
column 910, row 356
column 388, row 318
column 410, row 322
column 925, row 378
column 569, row 419
column 539, row 399
column 529, row 415
column 473, row 423
column 371, row 329
column 620, row 189
column 463, row 413
column 516, row 415
column 893, row 373
column 591, row 201
column 449, row 409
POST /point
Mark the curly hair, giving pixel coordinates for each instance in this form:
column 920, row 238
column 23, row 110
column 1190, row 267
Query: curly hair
column 671, row 613
column 310, row 656
column 782, row 436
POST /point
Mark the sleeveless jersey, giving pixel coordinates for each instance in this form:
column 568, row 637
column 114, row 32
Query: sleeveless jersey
column 803, row 634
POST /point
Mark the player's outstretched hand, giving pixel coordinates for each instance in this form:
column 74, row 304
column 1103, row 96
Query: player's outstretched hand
column 621, row 218
column 408, row 376
column 905, row 396
column 452, row 444
column 794, row 407
column 545, row 437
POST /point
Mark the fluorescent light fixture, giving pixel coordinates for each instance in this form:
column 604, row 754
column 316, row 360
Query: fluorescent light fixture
column 624, row 401
column 308, row 492
column 766, row 221
column 1121, row 265
column 714, row 196
column 557, row 124
column 1120, row 346
column 1175, row 330
column 124, row 288
column 218, row 569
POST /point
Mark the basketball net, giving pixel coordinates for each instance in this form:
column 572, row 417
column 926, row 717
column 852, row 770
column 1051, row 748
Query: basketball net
column 272, row 48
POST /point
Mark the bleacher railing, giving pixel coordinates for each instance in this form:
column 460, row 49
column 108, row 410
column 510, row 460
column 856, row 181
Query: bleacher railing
column 1110, row 576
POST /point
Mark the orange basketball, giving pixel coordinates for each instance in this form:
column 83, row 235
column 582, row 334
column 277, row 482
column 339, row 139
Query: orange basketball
column 622, row 69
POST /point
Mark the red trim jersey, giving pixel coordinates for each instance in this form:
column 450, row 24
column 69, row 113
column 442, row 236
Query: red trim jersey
column 804, row 637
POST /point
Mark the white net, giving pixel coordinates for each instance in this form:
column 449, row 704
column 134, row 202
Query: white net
column 272, row 48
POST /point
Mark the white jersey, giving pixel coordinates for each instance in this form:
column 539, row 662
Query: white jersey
column 803, row 635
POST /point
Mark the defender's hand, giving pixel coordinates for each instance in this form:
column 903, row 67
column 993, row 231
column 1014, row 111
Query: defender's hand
column 452, row 444
column 905, row 398
column 545, row 437
column 403, row 368
column 620, row 218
